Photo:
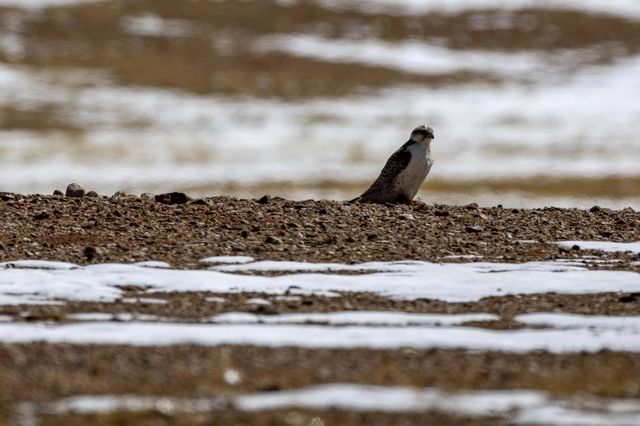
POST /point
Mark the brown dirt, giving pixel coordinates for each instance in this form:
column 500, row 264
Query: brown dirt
column 130, row 228
column 192, row 306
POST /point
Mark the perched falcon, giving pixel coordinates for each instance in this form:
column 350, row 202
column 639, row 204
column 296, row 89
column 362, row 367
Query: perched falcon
column 404, row 171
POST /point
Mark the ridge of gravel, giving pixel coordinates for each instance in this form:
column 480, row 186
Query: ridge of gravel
column 181, row 231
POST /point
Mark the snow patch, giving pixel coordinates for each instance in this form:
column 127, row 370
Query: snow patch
column 591, row 339
column 521, row 406
column 602, row 245
column 409, row 280
column 228, row 259
column 377, row 318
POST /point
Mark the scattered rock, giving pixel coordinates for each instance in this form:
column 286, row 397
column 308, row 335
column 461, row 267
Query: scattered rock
column 172, row 198
column 595, row 209
column 575, row 247
column 92, row 194
column 90, row 252
column 407, row 216
column 75, row 190
column 41, row 215
column 7, row 196
column 265, row 199
column 57, row 192
column 273, row 240
column 474, row 229
column 201, row 202
column 118, row 195
column 441, row 213
column 146, row 196
column 628, row 298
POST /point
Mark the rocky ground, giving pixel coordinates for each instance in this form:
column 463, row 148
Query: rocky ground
column 181, row 231
column 88, row 228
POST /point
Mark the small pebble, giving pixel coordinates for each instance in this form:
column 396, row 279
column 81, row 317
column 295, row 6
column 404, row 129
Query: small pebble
column 265, row 199
column 407, row 216
column 474, row 229
column 273, row 240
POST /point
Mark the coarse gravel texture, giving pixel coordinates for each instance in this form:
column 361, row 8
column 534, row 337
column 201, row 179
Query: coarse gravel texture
column 127, row 228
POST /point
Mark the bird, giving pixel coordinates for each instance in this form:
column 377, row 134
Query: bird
column 403, row 172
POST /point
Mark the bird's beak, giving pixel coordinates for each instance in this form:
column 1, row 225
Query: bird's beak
column 430, row 134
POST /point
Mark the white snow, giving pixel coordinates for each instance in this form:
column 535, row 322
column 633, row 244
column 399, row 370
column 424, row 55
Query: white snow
column 602, row 245
column 149, row 300
column 377, row 318
column 258, row 301
column 588, row 339
column 5, row 318
column 153, row 264
column 625, row 8
column 409, row 280
column 529, row 407
column 102, row 316
column 93, row 404
column 154, row 25
column 38, row 264
column 418, row 57
column 227, row 259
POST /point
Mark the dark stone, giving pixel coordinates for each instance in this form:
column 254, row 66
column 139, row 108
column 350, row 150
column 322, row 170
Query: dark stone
column 57, row 192
column 92, row 194
column 273, row 240
column 628, row 298
column 7, row 196
column 75, row 190
column 172, row 198
column 372, row 237
column 441, row 213
column 265, row 199
column 595, row 209
column 41, row 216
column 118, row 194
column 575, row 247
column 202, row 202
column 90, row 252
column 474, row 229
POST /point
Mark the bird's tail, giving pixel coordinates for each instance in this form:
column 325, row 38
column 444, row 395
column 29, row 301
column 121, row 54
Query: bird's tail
column 355, row 200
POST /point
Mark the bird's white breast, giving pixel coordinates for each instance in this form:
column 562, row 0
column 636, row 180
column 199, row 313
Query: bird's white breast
column 409, row 180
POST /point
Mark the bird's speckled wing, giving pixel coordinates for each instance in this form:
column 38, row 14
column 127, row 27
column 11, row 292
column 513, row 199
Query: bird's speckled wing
column 384, row 183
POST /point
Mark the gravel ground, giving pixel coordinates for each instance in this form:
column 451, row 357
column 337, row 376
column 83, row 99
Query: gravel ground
column 126, row 228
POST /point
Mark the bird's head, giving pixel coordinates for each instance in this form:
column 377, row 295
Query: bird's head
column 422, row 133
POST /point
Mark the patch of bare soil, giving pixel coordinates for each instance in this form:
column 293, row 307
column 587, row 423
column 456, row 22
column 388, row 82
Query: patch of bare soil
column 194, row 306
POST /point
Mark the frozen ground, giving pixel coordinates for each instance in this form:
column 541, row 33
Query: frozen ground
column 518, row 406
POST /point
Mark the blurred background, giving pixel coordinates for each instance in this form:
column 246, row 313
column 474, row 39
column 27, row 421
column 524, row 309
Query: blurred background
column 534, row 103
